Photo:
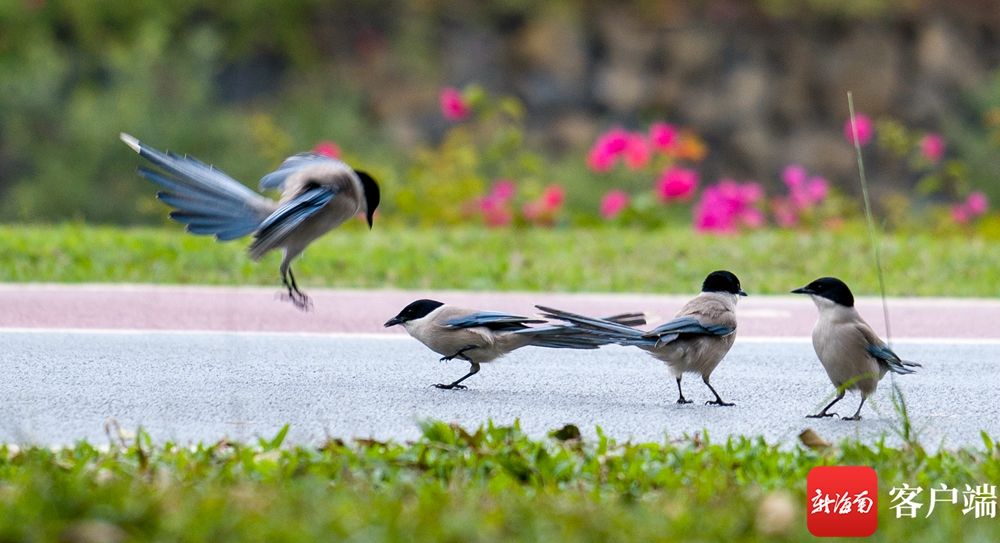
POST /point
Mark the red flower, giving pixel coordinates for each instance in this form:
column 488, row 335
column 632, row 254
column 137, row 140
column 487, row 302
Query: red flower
column 453, row 105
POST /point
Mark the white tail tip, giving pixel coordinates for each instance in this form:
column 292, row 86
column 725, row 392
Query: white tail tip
column 130, row 141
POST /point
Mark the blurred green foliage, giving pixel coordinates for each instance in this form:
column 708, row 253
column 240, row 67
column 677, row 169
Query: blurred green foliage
column 493, row 483
column 243, row 84
column 75, row 74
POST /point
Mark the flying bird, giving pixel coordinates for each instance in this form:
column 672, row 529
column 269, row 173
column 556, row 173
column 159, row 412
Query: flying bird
column 479, row 337
column 695, row 341
column 854, row 357
column 318, row 193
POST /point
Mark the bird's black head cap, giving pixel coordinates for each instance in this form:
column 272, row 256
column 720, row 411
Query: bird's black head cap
column 372, row 194
column 722, row 281
column 416, row 310
column 831, row 288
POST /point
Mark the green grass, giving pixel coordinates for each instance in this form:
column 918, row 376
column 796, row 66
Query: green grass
column 671, row 260
column 494, row 484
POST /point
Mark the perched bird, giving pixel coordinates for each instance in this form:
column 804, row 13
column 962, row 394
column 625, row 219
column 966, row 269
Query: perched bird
column 695, row 341
column 317, row 194
column 852, row 354
column 483, row 336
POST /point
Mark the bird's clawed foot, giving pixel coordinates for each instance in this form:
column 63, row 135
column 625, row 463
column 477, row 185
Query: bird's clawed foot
column 683, row 401
column 855, row 417
column 452, row 386
column 719, row 402
column 298, row 299
column 821, row 415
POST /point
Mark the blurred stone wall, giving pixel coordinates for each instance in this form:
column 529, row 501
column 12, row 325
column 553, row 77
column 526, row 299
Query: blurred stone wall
column 763, row 90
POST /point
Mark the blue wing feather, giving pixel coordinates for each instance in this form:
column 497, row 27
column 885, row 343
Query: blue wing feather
column 492, row 320
column 885, row 355
column 290, row 215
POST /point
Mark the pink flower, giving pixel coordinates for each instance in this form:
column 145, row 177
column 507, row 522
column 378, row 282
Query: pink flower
column 728, row 205
column 600, row 160
column 932, row 147
column 794, row 176
column 818, row 189
column 327, row 148
column 637, row 152
column 453, row 105
column 503, row 190
column 607, row 148
column 614, row 141
column 613, row 203
column 663, row 136
column 553, row 197
column 677, row 184
column 864, row 126
column 960, row 214
column 543, row 210
column 495, row 212
column 976, row 203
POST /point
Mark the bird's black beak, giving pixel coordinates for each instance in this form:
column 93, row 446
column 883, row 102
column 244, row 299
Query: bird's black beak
column 742, row 292
column 393, row 322
column 803, row 290
column 369, row 216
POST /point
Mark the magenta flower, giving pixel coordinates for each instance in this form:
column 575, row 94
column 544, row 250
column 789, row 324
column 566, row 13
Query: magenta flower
column 663, row 136
column 453, row 105
column 727, row 206
column 817, row 189
column 865, row 129
column 637, row 152
column 976, row 203
column 932, row 147
column 794, row 176
column 613, row 203
column 676, row 184
column 606, row 150
column 327, row 148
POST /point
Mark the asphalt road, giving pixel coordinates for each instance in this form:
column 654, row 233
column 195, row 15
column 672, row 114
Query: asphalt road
column 61, row 386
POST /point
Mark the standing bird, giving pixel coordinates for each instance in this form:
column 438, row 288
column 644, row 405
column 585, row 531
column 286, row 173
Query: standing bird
column 317, row 194
column 852, row 354
column 695, row 341
column 484, row 336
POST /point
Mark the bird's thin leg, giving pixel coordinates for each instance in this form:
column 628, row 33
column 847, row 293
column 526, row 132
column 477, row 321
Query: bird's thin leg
column 823, row 413
column 459, row 354
column 474, row 369
column 303, row 302
column 718, row 399
column 680, row 393
column 296, row 296
column 857, row 414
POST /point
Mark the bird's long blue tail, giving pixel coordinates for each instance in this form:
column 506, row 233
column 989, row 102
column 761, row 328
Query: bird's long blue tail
column 207, row 200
